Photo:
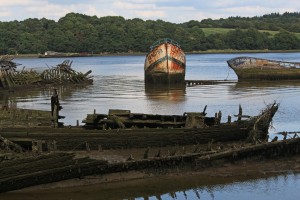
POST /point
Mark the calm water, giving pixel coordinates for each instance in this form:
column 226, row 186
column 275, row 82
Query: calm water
column 119, row 84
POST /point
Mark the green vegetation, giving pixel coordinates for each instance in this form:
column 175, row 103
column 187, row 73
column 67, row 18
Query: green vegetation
column 210, row 31
column 81, row 33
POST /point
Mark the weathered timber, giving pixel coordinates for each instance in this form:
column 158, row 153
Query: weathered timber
column 250, row 68
column 160, row 130
column 44, row 169
column 8, row 145
column 10, row 77
column 15, row 117
column 117, row 119
column 72, row 139
column 78, row 168
column 264, row 150
column 208, row 82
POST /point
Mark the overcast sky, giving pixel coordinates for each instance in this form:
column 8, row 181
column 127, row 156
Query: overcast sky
column 176, row 11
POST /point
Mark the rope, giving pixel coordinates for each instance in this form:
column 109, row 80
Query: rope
column 227, row 74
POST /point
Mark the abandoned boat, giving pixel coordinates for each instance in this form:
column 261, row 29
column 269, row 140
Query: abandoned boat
column 165, row 64
column 263, row 69
column 53, row 54
column 124, row 129
column 21, row 170
column 10, row 77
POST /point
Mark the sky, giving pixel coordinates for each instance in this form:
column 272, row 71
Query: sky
column 176, row 11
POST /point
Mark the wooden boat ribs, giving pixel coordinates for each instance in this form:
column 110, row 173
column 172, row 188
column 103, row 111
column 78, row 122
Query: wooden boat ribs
column 64, row 73
column 61, row 74
column 147, row 130
column 52, row 167
column 116, row 119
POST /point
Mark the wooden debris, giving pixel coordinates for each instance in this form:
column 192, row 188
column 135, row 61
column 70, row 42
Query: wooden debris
column 61, row 74
column 20, row 173
column 8, row 145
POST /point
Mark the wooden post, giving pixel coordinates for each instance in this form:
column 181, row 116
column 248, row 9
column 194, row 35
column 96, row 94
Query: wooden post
column 204, row 110
column 229, row 119
column 240, row 113
column 55, row 107
column 216, row 118
column 87, row 146
column 219, row 117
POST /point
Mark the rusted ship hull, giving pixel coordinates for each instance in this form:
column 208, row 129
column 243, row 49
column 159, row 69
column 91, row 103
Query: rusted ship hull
column 247, row 68
column 165, row 64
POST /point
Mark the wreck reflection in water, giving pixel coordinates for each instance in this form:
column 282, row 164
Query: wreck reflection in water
column 175, row 188
column 165, row 93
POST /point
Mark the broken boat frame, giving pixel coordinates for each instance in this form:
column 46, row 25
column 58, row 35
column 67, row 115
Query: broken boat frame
column 135, row 130
column 61, row 74
column 52, row 167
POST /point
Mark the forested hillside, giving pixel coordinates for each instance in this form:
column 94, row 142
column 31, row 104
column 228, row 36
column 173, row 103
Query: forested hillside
column 81, row 33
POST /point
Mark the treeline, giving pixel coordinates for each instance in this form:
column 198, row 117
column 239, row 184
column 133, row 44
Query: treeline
column 274, row 22
column 81, row 33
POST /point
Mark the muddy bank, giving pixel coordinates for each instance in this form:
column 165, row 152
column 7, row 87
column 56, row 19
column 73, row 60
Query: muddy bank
column 59, row 166
column 146, row 184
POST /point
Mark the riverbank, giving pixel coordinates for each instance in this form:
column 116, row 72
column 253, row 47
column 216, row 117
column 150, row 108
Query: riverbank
column 226, row 51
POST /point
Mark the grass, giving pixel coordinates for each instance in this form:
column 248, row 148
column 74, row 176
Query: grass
column 209, row 31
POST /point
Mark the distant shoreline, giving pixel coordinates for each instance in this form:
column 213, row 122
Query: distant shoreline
column 144, row 53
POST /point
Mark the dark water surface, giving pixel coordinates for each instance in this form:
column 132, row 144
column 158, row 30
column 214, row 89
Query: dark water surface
column 119, row 84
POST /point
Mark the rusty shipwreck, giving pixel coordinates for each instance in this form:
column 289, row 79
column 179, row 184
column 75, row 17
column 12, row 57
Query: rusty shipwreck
column 165, row 63
column 247, row 68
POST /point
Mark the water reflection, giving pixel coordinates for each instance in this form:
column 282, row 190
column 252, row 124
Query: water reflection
column 176, row 188
column 245, row 85
column 165, row 92
column 19, row 98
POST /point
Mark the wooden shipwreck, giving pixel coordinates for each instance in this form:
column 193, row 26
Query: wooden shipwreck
column 20, row 171
column 248, row 68
column 53, row 54
column 10, row 77
column 123, row 129
column 37, row 155
column 165, row 63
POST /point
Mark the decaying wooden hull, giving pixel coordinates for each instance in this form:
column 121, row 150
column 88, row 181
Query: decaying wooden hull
column 19, row 173
column 21, row 169
column 165, row 64
column 133, row 130
column 61, row 74
column 263, row 69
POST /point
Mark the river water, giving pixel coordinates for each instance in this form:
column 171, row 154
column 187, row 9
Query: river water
column 119, row 84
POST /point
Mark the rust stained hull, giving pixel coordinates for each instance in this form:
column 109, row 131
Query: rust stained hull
column 165, row 64
column 247, row 68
